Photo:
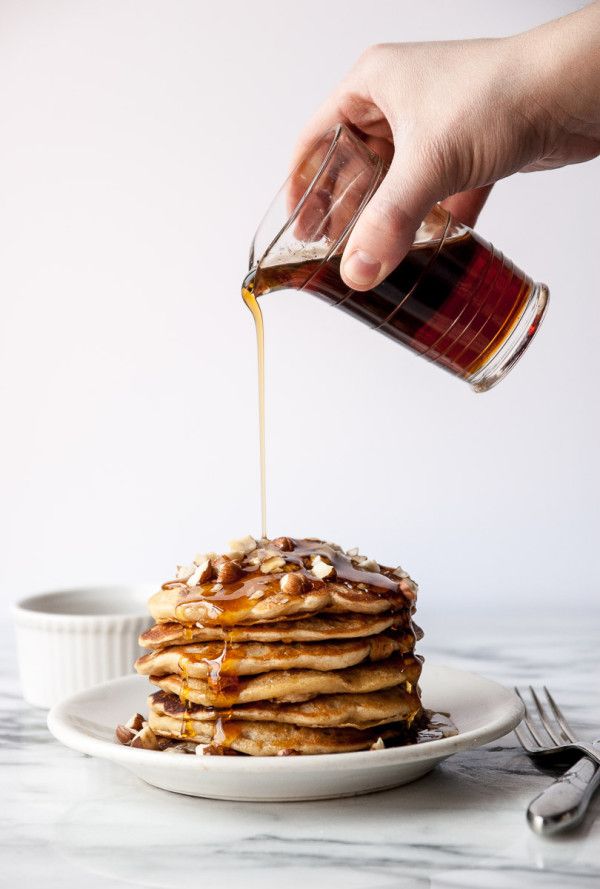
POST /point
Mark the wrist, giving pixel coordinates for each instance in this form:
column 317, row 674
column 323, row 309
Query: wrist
column 561, row 61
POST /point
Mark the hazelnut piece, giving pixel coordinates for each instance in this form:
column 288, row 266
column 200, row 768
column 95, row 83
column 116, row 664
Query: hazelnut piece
column 184, row 571
column 146, row 739
column 368, row 565
column 202, row 573
column 228, row 571
column 124, row 735
column 284, row 544
column 135, row 723
column 322, row 569
column 243, row 545
column 272, row 564
column 294, row 584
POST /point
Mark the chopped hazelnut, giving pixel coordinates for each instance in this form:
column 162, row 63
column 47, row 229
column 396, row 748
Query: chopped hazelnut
column 146, row 739
column 202, row 573
column 322, row 569
column 368, row 565
column 184, row 571
column 136, row 722
column 400, row 572
column 244, row 545
column 294, row 584
column 284, row 544
column 275, row 563
column 124, row 735
column 228, row 571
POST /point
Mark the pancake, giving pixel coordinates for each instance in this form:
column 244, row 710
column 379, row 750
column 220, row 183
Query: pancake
column 310, row 629
column 294, row 685
column 249, row 658
column 273, row 738
column 273, row 579
column 169, row 716
column 179, row 603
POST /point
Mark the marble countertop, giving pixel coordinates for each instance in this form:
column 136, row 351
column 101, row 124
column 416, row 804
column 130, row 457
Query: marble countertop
column 70, row 821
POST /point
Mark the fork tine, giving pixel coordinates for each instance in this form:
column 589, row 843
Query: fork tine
column 521, row 739
column 542, row 715
column 527, row 722
column 566, row 728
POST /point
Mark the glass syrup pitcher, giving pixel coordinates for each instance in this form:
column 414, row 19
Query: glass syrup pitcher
column 454, row 299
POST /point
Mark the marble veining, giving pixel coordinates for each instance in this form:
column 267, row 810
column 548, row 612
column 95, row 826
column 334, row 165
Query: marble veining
column 68, row 820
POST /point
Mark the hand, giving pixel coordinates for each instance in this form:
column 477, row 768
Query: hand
column 453, row 118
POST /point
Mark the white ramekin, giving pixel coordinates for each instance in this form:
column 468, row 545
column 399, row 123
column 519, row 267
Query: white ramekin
column 68, row 640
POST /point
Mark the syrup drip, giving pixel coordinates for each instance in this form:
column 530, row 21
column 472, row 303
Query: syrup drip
column 223, row 682
column 187, row 726
column 225, row 733
column 222, row 678
column 184, row 694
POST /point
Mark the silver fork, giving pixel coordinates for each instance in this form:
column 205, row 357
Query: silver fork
column 565, row 802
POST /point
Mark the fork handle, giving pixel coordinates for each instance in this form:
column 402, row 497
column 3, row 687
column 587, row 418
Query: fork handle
column 564, row 803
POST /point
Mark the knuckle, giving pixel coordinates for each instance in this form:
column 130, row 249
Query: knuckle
column 354, row 106
column 369, row 53
column 373, row 55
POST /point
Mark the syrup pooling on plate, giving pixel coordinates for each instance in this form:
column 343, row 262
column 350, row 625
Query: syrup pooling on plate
column 433, row 726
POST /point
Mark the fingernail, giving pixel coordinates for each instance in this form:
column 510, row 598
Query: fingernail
column 361, row 267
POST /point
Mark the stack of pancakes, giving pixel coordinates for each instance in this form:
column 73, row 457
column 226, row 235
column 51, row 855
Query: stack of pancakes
column 283, row 647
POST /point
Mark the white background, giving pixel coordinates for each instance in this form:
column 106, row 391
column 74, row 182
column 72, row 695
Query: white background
column 139, row 145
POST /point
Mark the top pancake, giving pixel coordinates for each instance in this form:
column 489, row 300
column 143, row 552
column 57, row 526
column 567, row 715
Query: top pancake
column 186, row 606
column 280, row 579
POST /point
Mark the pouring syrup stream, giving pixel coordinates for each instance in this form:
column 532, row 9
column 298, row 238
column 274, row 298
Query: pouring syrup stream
column 252, row 303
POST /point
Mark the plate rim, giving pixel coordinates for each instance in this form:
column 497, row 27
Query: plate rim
column 59, row 725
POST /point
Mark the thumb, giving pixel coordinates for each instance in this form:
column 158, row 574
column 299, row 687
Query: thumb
column 386, row 228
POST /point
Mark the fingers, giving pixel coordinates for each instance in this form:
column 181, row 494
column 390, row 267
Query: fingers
column 353, row 104
column 326, row 117
column 467, row 205
column 386, row 228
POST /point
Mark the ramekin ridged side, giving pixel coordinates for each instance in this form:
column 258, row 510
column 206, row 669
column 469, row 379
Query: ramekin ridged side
column 60, row 654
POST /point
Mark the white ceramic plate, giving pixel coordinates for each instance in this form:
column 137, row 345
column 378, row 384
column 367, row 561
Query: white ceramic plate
column 481, row 709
